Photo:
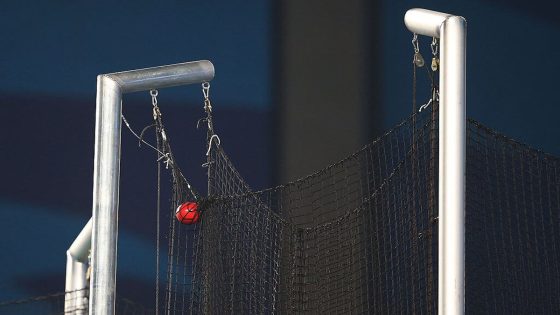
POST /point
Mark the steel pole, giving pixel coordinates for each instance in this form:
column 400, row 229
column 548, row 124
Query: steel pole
column 452, row 151
column 75, row 301
column 106, row 171
column 452, row 166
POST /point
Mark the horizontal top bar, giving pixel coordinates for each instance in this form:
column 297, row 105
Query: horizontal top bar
column 163, row 76
column 425, row 22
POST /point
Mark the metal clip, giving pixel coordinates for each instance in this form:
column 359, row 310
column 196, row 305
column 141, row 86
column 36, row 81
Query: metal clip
column 206, row 93
column 434, row 46
column 207, row 105
column 156, row 112
column 206, row 89
column 154, row 94
column 415, row 43
column 418, row 60
column 435, row 59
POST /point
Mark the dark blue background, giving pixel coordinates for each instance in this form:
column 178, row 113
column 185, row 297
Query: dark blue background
column 49, row 60
column 51, row 53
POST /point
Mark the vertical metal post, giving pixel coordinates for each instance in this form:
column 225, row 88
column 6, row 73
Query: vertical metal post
column 106, row 173
column 452, row 166
column 76, row 298
column 110, row 88
column 452, row 152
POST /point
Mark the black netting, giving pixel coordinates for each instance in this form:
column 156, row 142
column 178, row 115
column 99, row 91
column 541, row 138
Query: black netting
column 356, row 237
column 512, row 226
column 69, row 303
column 48, row 305
column 360, row 236
column 183, row 241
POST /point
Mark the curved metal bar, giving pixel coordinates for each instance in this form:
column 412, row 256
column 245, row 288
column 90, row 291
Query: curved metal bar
column 425, row 22
column 163, row 76
column 106, row 171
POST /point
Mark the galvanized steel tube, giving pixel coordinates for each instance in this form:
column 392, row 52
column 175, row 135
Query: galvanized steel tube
column 75, row 301
column 452, row 166
column 452, row 151
column 110, row 88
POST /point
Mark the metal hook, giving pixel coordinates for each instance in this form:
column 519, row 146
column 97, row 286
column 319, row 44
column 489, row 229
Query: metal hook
column 210, row 143
column 434, row 98
column 415, row 43
column 199, row 121
column 425, row 106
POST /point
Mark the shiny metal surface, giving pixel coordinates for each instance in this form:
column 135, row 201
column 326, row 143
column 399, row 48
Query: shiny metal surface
column 82, row 244
column 452, row 149
column 452, row 166
column 163, row 76
column 110, row 88
column 425, row 22
column 106, row 173
column 75, row 301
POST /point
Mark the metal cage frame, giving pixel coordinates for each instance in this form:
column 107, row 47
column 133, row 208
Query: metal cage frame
column 102, row 230
column 451, row 30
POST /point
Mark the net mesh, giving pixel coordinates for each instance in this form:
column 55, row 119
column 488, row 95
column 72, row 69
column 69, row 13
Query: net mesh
column 360, row 236
column 76, row 304
column 513, row 215
column 354, row 238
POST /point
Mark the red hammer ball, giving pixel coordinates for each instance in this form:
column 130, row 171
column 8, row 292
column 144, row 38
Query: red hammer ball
column 187, row 213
